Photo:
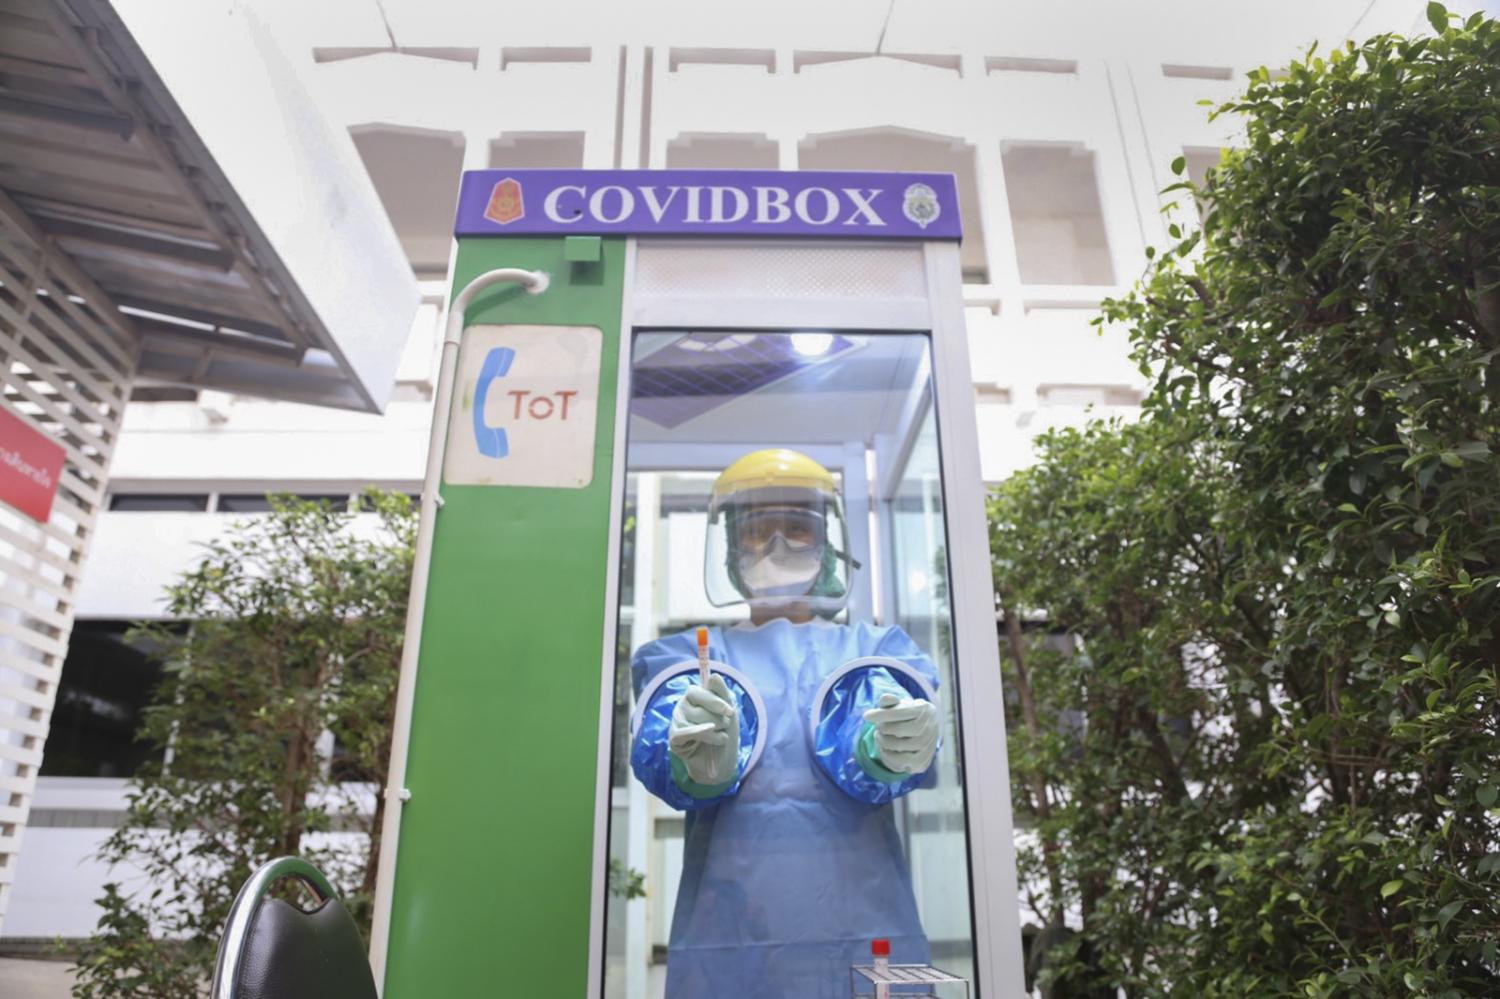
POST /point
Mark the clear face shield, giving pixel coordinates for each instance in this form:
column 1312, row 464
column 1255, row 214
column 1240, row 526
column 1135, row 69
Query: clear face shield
column 776, row 547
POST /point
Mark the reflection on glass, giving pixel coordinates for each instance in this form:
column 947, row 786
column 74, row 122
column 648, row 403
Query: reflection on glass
column 806, row 799
column 108, row 679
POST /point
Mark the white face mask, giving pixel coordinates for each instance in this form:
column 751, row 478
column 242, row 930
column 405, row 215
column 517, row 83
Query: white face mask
column 779, row 572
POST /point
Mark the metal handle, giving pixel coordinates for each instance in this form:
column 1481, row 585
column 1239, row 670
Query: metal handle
column 535, row 282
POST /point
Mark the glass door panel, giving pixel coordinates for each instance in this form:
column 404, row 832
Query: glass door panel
column 768, row 825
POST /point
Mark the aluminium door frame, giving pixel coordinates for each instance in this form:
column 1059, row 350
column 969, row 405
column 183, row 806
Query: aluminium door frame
column 994, row 895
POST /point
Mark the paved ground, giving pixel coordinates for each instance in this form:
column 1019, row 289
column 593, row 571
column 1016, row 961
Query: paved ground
column 34, row 979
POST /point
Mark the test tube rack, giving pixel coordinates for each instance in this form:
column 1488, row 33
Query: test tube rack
column 906, row 976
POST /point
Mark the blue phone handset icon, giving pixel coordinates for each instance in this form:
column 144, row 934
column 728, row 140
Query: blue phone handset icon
column 491, row 440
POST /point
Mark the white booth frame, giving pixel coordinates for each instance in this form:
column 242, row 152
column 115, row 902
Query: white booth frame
column 939, row 312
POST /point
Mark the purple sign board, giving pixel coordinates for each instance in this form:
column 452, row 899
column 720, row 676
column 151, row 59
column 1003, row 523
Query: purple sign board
column 830, row 204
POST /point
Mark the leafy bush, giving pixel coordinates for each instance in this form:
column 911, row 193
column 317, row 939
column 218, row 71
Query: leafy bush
column 1258, row 745
column 297, row 622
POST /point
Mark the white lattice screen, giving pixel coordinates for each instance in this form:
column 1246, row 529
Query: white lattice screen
column 66, row 359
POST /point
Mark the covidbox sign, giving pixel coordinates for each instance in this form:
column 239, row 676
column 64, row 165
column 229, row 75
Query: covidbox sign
column 527, row 407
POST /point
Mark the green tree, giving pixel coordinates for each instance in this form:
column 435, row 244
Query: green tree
column 297, row 620
column 1261, row 744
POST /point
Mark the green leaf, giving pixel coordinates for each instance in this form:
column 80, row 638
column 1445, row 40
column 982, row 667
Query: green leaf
column 1487, row 795
column 1473, row 450
column 1437, row 16
column 1178, row 165
column 1390, row 888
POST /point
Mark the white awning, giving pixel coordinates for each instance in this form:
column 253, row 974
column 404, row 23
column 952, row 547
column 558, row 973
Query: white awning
column 170, row 150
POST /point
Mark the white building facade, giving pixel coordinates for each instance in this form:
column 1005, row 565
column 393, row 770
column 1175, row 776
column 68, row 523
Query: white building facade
column 1059, row 120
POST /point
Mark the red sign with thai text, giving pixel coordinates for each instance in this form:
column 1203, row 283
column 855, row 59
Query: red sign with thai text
column 30, row 465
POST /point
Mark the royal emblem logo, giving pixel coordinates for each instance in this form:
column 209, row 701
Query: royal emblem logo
column 920, row 205
column 505, row 202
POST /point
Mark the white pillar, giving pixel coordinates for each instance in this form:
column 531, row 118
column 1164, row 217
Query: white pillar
column 638, row 802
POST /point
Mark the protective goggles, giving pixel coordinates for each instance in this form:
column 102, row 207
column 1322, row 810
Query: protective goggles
column 800, row 530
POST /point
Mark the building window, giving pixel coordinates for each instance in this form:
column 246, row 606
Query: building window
column 261, row 502
column 904, row 149
column 946, row 61
column 1056, row 214
column 1181, row 71
column 1200, row 160
column 158, row 502
column 512, row 56
column 470, row 56
column 1088, row 395
column 108, row 679
column 1010, row 64
column 537, row 151
column 362, row 502
column 721, row 151
column 162, row 393
column 760, row 58
column 992, row 395
column 416, row 174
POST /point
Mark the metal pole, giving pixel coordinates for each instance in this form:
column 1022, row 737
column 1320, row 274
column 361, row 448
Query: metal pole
column 395, row 791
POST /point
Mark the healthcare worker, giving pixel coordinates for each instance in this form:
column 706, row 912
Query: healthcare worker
column 787, row 760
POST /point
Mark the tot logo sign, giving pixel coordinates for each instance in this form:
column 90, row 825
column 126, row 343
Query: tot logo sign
column 525, row 407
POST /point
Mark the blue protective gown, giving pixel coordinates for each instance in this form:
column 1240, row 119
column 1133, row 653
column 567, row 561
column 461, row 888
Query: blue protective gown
column 791, row 871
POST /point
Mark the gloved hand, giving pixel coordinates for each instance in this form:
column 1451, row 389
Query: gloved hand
column 705, row 732
column 906, row 733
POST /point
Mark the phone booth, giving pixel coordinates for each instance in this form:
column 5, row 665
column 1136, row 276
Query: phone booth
column 701, row 691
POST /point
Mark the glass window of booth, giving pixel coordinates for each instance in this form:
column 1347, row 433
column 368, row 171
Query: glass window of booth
column 784, row 491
